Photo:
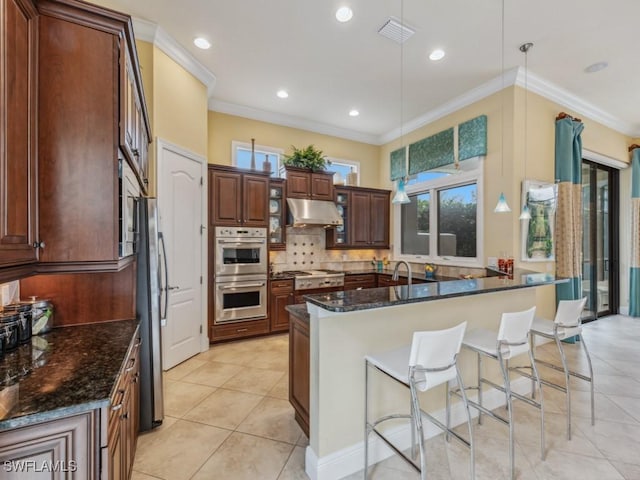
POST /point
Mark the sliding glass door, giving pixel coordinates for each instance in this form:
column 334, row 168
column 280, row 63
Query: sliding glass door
column 600, row 239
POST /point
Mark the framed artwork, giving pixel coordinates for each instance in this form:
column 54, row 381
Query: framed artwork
column 538, row 232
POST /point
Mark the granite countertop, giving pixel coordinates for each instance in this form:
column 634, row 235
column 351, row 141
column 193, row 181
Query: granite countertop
column 66, row 371
column 402, row 273
column 355, row 300
column 299, row 311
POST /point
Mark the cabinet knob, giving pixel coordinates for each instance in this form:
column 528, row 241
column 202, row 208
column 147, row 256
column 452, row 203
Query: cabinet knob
column 38, row 244
column 136, row 152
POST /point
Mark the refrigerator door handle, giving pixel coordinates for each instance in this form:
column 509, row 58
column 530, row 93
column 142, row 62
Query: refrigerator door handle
column 164, row 285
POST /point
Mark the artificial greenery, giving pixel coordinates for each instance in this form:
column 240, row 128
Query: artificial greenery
column 309, row 157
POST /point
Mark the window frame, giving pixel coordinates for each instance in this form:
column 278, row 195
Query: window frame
column 433, row 187
column 265, row 149
column 348, row 163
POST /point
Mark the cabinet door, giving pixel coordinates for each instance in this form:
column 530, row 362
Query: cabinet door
column 281, row 296
column 17, row 128
column 360, row 219
column 67, row 442
column 299, row 363
column 321, row 186
column 78, row 142
column 225, row 198
column 255, row 196
column 379, row 220
column 298, row 184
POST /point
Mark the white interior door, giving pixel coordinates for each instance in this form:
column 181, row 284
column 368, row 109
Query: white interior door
column 181, row 196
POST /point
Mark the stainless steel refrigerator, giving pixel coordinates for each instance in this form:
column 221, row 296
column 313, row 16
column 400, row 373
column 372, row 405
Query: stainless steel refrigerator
column 151, row 276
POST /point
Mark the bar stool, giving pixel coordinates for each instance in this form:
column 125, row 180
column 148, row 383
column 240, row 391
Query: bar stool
column 429, row 361
column 566, row 324
column 510, row 341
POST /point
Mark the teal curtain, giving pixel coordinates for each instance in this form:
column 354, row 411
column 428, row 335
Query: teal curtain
column 568, row 231
column 634, row 286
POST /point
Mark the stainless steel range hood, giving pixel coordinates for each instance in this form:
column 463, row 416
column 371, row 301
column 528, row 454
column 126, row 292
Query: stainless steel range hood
column 313, row 213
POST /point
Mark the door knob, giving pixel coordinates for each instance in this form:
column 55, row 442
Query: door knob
column 173, row 288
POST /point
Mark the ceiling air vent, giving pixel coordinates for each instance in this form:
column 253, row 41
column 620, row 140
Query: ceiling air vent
column 396, row 31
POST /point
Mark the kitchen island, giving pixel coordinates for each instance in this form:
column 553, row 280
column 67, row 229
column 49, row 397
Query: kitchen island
column 345, row 326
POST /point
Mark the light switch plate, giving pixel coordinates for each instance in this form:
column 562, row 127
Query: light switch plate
column 492, row 261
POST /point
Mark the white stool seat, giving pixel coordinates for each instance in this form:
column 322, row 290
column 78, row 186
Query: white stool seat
column 486, row 342
column 395, row 362
column 542, row 326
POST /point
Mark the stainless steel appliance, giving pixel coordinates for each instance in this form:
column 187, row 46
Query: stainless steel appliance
column 240, row 297
column 151, row 267
column 313, row 212
column 240, row 251
column 129, row 196
column 308, row 282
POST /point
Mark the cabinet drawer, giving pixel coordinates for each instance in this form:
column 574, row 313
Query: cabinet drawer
column 351, row 282
column 239, row 330
column 281, row 286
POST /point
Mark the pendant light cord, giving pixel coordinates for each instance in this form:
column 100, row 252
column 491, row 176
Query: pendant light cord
column 402, row 90
column 502, row 97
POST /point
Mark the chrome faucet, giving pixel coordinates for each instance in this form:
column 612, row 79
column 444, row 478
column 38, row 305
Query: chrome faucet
column 395, row 271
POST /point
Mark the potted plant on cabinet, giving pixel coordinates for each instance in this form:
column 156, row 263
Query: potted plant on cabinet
column 309, row 157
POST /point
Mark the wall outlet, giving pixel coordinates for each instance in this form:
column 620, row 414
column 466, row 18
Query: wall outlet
column 492, row 261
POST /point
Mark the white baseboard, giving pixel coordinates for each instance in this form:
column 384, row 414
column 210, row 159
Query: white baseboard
column 349, row 460
column 624, row 310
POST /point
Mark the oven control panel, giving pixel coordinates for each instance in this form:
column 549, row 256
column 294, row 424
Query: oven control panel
column 239, row 232
column 308, row 283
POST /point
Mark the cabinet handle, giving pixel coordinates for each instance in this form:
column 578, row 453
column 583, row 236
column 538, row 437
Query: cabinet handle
column 136, row 152
column 132, row 364
column 38, row 244
column 125, row 416
column 239, row 330
column 117, row 407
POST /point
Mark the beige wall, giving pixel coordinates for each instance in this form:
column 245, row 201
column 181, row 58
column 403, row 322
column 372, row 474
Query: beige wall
column 176, row 103
column 224, row 128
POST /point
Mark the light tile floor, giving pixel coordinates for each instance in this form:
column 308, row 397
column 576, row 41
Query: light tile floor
column 228, row 417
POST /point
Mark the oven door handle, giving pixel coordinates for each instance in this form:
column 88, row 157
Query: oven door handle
column 239, row 287
column 241, row 242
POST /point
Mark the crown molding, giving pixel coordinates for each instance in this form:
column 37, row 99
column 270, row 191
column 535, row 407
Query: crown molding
column 290, row 121
column 568, row 100
column 154, row 33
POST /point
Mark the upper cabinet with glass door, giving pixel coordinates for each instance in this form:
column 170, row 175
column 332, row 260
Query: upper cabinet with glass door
column 277, row 239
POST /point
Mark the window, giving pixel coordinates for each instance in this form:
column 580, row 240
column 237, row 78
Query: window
column 241, row 153
column 343, row 167
column 443, row 221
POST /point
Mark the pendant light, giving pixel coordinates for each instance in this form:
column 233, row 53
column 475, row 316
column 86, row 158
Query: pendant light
column 502, row 206
column 524, row 48
column 401, row 196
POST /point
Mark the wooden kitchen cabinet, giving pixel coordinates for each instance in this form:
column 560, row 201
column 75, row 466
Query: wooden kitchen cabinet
column 281, row 295
column 122, row 418
column 82, row 53
column 303, row 183
column 277, row 214
column 18, row 208
column 70, row 441
column 238, row 197
column 299, row 369
column 360, row 281
column 366, row 214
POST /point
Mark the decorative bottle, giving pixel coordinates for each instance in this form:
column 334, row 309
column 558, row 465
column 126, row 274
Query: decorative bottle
column 253, row 154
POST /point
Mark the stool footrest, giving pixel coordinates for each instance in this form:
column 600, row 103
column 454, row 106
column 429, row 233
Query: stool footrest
column 560, row 369
column 396, row 450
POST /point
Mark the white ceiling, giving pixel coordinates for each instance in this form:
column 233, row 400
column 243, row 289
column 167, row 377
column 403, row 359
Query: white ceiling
column 260, row 46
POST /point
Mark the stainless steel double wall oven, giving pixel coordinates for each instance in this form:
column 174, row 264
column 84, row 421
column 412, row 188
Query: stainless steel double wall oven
column 241, row 267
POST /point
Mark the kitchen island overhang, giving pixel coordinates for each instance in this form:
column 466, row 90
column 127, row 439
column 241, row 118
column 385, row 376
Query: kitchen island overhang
column 345, row 326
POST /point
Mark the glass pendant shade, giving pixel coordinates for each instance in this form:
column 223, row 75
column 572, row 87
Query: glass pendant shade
column 401, row 195
column 502, row 206
column 526, row 214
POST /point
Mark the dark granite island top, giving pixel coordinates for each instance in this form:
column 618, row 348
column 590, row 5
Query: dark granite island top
column 66, row 371
column 355, row 300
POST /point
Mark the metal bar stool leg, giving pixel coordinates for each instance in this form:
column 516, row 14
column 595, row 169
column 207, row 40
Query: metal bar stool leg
column 507, row 391
column 417, row 418
column 465, row 402
column 586, row 351
column 534, row 371
column 366, row 420
column 479, row 388
column 567, row 382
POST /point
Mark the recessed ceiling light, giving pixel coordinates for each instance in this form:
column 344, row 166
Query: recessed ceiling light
column 202, row 43
column 596, row 67
column 282, row 94
column 437, row 54
column 344, row 14
column 354, row 113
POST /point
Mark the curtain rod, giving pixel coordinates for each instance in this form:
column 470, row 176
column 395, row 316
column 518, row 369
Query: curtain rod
column 562, row 115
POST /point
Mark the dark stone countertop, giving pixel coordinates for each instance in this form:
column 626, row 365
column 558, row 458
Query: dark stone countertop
column 356, row 300
column 402, row 273
column 66, row 371
column 299, row 311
